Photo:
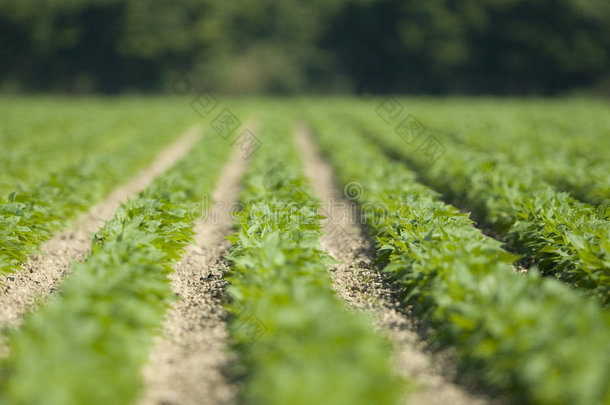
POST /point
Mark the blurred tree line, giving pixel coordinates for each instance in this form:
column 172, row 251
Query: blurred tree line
column 288, row 46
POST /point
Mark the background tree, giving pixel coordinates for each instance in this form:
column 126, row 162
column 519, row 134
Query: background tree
column 288, row 46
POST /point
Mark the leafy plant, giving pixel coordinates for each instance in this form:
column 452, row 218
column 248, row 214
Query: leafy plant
column 298, row 344
column 89, row 343
column 522, row 334
column 566, row 238
column 31, row 214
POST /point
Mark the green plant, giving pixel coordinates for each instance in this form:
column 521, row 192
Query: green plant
column 88, row 344
column 529, row 336
column 298, row 344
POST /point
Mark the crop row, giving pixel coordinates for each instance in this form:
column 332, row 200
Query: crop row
column 523, row 334
column 30, row 215
column 89, row 343
column 39, row 136
column 578, row 126
column 564, row 142
column 298, row 344
column 562, row 236
column 552, row 147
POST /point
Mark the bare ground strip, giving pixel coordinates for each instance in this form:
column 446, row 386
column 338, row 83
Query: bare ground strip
column 189, row 360
column 41, row 274
column 360, row 284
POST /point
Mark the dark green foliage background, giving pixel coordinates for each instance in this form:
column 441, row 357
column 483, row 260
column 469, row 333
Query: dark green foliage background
column 289, row 46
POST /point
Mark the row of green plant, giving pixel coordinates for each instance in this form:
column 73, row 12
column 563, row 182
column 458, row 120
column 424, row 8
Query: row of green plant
column 32, row 214
column 562, row 142
column 88, row 344
column 524, row 335
column 574, row 125
column 39, row 136
column 585, row 179
column 562, row 236
column 297, row 343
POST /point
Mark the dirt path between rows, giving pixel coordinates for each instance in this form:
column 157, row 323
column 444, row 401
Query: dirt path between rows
column 41, row 274
column 360, row 284
column 189, row 361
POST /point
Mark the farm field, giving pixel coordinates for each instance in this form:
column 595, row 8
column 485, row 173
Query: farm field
column 371, row 250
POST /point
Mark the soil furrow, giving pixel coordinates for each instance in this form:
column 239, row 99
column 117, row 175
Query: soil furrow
column 41, row 274
column 361, row 285
column 189, row 361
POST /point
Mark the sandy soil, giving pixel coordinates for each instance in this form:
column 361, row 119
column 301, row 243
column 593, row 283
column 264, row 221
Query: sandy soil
column 360, row 284
column 189, row 361
column 41, row 274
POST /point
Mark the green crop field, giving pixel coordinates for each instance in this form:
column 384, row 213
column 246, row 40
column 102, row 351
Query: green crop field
column 466, row 242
